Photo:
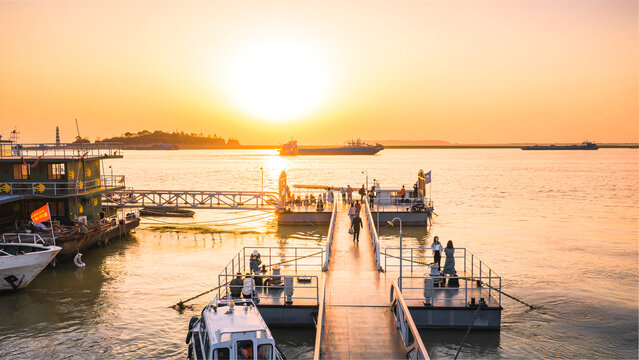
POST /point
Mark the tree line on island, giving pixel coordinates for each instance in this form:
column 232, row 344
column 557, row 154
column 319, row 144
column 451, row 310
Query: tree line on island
column 167, row 140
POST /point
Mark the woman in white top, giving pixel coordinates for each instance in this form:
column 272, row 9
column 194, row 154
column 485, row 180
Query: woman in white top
column 437, row 250
column 330, row 196
column 351, row 213
column 249, row 287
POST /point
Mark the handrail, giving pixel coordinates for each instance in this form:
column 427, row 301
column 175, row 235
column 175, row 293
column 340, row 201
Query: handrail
column 61, row 188
column 373, row 231
column 320, row 323
column 18, row 236
column 63, row 150
column 413, row 344
column 331, row 234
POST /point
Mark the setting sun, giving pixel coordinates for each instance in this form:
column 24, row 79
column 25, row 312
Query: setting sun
column 278, row 80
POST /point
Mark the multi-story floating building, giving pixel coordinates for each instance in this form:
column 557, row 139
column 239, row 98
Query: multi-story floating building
column 69, row 178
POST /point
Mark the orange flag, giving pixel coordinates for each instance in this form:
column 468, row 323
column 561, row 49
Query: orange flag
column 41, row 215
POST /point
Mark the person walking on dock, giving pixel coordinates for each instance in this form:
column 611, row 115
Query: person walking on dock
column 358, row 207
column 437, row 251
column 349, row 194
column 343, row 191
column 329, row 197
column 362, row 192
column 449, row 265
column 356, row 225
column 236, row 286
column 351, row 213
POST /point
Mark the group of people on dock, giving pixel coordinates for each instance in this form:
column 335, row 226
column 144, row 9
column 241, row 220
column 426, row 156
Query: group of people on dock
column 245, row 287
column 449, row 250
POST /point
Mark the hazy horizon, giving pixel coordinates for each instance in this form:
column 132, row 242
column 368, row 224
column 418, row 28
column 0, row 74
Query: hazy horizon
column 323, row 72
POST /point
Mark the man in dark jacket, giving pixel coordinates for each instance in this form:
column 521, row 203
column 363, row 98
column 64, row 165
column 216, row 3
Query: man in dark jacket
column 356, row 225
column 236, row 286
column 362, row 192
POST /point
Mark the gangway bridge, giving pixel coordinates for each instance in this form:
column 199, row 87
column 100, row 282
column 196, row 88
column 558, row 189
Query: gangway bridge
column 192, row 199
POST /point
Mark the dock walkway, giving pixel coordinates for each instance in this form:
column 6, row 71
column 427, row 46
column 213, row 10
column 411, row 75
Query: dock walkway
column 358, row 322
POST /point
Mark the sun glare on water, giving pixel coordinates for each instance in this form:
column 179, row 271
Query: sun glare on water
column 278, row 81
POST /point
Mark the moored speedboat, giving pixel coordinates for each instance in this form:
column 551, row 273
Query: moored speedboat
column 20, row 263
column 231, row 329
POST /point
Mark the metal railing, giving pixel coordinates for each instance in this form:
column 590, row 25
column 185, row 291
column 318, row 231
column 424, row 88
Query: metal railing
column 62, row 150
column 248, row 200
column 413, row 344
column 61, row 188
column 22, row 237
column 473, row 272
column 277, row 287
column 329, row 238
column 319, row 329
column 373, row 232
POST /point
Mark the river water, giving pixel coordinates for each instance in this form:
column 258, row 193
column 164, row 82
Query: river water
column 560, row 227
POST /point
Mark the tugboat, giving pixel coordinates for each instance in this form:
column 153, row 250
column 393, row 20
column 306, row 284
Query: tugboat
column 586, row 145
column 231, row 329
column 356, row 147
column 21, row 262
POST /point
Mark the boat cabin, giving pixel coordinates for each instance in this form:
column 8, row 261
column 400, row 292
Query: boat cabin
column 231, row 329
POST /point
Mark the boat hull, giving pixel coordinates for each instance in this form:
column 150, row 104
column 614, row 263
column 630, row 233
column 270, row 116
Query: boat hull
column 16, row 272
column 334, row 151
column 561, row 147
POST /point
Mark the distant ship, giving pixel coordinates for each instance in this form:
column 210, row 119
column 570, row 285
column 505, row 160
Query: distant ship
column 586, row 145
column 356, row 147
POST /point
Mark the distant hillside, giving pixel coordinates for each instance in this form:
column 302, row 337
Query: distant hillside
column 180, row 139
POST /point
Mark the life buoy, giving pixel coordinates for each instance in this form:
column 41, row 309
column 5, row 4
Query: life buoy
column 77, row 260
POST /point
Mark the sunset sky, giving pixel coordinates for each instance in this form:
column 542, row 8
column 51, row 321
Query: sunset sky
column 321, row 71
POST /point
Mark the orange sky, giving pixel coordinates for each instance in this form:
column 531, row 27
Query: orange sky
column 462, row 71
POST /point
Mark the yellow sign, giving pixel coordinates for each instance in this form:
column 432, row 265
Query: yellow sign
column 38, row 188
column 88, row 172
column 5, row 188
column 71, row 175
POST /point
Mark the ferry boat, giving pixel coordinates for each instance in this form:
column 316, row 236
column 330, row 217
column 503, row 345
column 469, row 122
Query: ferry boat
column 20, row 263
column 231, row 329
column 356, row 147
column 69, row 178
column 586, row 145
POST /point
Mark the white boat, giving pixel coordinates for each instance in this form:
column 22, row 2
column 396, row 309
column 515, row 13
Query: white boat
column 231, row 329
column 21, row 262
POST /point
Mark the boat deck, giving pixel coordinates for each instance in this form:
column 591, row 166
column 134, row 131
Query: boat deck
column 358, row 323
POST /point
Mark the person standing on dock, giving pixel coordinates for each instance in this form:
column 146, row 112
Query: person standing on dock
column 329, row 197
column 343, row 191
column 437, row 251
column 358, row 207
column 255, row 261
column 362, row 192
column 449, row 265
column 356, row 225
column 349, row 193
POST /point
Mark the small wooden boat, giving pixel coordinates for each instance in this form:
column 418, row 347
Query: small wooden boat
column 231, row 329
column 20, row 262
column 164, row 211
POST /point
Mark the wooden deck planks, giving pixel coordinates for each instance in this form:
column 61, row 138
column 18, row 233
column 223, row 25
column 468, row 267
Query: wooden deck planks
column 358, row 323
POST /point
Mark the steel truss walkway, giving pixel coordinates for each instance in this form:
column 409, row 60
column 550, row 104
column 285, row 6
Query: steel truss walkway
column 246, row 200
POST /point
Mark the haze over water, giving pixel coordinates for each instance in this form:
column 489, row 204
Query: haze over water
column 560, row 227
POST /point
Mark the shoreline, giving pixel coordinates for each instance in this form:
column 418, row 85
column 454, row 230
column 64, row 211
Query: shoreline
column 450, row 146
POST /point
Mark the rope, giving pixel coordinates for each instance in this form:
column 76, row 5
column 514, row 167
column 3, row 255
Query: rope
column 468, row 331
column 532, row 307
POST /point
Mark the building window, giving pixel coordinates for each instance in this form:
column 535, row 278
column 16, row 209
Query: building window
column 21, row 172
column 56, row 172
